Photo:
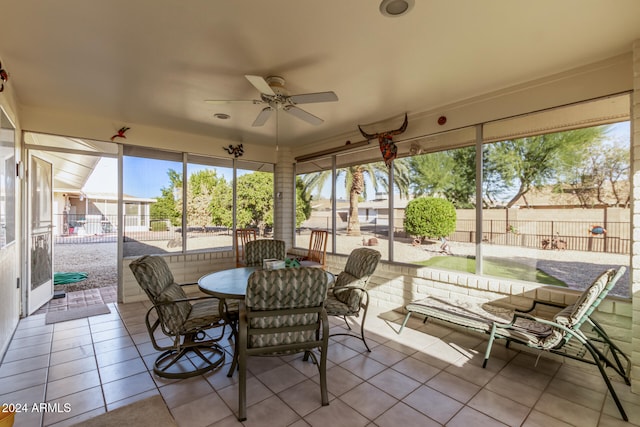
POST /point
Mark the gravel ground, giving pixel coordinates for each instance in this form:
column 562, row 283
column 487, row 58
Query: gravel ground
column 96, row 259
column 577, row 269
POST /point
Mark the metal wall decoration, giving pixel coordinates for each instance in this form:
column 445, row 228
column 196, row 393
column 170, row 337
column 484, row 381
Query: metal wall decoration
column 4, row 76
column 385, row 139
column 120, row 133
column 237, row 151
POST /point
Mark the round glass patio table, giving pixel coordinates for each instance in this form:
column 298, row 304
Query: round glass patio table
column 231, row 284
column 227, row 284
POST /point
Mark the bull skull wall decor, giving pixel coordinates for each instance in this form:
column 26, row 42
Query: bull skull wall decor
column 385, row 139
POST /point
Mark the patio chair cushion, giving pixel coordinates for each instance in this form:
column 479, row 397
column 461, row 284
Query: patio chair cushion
column 153, row 275
column 258, row 250
column 203, row 313
column 177, row 313
column 348, row 297
column 360, row 266
column 339, row 308
column 281, row 290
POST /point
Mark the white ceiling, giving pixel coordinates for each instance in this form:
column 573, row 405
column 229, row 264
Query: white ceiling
column 154, row 62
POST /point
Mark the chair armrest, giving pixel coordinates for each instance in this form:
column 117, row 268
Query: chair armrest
column 348, row 287
column 159, row 303
column 536, row 302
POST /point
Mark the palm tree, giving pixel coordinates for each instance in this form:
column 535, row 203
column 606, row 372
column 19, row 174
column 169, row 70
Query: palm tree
column 355, row 184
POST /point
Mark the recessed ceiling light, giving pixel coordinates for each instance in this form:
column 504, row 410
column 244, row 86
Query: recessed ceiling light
column 222, row 116
column 394, row 8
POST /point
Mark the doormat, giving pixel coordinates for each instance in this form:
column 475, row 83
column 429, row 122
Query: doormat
column 76, row 313
column 151, row 412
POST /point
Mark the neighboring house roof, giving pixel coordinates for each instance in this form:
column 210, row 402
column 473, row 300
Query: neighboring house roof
column 105, row 196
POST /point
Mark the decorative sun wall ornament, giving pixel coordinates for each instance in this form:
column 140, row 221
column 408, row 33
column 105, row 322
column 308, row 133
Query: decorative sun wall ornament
column 237, row 151
column 388, row 148
column 4, row 76
column 120, row 133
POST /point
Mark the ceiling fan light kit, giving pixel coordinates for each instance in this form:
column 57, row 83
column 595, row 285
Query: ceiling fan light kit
column 274, row 94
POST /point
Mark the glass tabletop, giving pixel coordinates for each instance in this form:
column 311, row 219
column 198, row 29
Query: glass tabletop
column 230, row 283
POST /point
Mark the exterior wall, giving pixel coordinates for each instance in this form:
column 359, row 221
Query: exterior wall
column 186, row 269
column 635, row 260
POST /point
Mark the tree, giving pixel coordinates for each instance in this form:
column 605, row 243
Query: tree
column 450, row 174
column 535, row 161
column 205, row 193
column 355, row 184
column 303, row 202
column 167, row 206
column 598, row 179
column 221, row 204
column 430, row 217
column 254, row 202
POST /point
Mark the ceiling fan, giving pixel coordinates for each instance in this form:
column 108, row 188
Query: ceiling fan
column 274, row 94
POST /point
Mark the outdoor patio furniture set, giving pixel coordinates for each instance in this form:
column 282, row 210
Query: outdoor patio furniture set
column 283, row 311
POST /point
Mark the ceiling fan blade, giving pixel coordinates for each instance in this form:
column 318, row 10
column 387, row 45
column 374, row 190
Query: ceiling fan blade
column 263, row 116
column 301, row 114
column 261, row 84
column 308, row 98
column 233, row 101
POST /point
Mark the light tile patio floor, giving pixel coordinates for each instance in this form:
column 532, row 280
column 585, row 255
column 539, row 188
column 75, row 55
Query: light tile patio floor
column 430, row 375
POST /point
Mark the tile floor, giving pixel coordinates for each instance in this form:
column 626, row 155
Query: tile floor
column 430, row 375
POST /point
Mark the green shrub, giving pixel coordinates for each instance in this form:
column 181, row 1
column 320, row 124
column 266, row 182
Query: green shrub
column 430, row 217
column 159, row 225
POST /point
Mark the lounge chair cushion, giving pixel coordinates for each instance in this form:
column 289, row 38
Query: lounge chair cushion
column 586, row 300
column 540, row 335
column 468, row 312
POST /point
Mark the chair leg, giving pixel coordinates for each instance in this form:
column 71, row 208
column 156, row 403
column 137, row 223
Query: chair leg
column 606, row 379
column 487, row 353
column 164, row 362
column 234, row 361
column 404, row 322
column 614, row 350
column 364, row 316
column 242, row 382
column 323, row 378
column 242, row 390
